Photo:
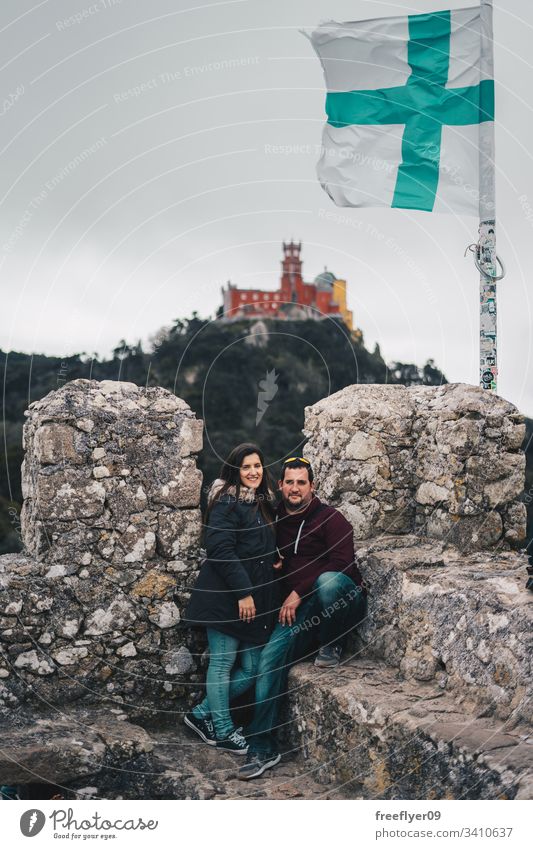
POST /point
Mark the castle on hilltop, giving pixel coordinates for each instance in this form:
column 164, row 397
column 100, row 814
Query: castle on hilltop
column 324, row 298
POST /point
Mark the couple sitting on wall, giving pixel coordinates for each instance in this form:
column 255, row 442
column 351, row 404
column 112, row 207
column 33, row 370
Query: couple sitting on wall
column 277, row 585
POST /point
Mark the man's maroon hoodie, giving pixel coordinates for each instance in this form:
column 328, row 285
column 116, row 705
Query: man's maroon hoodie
column 316, row 540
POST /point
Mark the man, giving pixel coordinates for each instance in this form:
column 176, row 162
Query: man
column 324, row 599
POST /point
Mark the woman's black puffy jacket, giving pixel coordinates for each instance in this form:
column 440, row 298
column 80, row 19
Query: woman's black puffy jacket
column 241, row 551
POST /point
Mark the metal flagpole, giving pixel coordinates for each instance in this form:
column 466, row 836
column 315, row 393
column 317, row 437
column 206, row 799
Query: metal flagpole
column 486, row 262
column 485, row 255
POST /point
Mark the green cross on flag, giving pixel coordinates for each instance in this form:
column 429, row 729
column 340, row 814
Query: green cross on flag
column 410, row 109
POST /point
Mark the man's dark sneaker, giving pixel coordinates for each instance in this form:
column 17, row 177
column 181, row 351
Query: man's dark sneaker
column 235, row 743
column 202, row 727
column 328, row 656
column 257, row 763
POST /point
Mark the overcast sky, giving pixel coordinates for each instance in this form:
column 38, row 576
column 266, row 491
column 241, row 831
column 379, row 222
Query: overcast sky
column 153, row 150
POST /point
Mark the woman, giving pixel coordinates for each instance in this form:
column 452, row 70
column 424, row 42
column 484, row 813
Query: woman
column 234, row 595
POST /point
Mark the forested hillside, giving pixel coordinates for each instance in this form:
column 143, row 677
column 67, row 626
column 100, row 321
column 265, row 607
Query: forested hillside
column 244, row 385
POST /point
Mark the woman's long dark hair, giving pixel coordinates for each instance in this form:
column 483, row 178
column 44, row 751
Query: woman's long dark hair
column 230, row 474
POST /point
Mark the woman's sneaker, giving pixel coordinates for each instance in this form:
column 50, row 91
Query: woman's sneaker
column 202, row 727
column 235, row 743
column 257, row 763
column 9, row 791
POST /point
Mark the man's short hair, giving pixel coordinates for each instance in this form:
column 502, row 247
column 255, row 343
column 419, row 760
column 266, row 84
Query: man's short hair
column 297, row 463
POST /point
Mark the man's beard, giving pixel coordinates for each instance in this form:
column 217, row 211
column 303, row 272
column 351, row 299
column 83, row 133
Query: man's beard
column 294, row 506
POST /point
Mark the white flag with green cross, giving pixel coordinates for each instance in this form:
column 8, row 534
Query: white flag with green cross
column 410, row 111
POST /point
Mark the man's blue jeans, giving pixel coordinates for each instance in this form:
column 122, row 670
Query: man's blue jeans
column 334, row 608
column 232, row 667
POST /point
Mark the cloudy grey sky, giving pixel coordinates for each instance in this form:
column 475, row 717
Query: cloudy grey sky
column 152, row 151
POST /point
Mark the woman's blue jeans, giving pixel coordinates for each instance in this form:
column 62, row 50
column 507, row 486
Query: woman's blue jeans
column 232, row 668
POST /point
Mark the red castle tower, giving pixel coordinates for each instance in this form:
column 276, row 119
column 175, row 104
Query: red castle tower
column 295, row 299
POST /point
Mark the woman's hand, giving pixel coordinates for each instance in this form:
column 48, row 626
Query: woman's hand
column 278, row 565
column 247, row 608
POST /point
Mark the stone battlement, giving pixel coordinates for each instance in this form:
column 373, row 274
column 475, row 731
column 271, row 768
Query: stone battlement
column 431, row 479
column 444, row 462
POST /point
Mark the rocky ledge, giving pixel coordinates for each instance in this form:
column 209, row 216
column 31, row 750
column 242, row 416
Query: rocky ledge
column 369, row 734
column 92, row 754
column 356, row 732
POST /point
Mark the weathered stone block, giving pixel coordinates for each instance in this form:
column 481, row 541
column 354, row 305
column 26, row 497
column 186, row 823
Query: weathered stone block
column 178, row 533
column 443, row 461
column 429, row 493
column 137, row 544
column 35, row 663
column 165, row 615
column 191, row 436
column 56, row 443
column 70, row 656
column 67, row 495
column 179, row 662
column 153, row 585
column 104, row 620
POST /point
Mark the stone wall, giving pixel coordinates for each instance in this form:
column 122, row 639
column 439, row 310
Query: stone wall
column 432, row 702
column 431, row 480
column 111, row 526
column 463, row 621
column 443, row 462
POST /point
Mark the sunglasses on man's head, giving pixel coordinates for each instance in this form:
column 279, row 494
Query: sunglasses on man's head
column 300, row 460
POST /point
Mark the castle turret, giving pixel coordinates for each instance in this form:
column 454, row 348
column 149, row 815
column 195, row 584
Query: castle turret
column 324, row 282
column 291, row 277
